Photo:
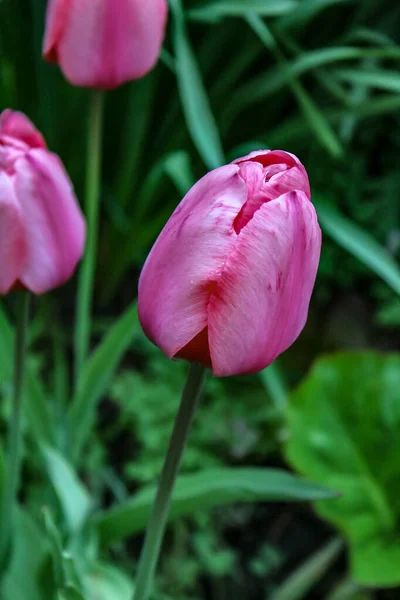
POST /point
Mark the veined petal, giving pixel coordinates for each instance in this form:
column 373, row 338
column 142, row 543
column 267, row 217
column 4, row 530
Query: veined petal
column 12, row 241
column 259, row 305
column 54, row 225
column 186, row 261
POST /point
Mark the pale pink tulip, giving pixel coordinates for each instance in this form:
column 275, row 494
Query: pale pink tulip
column 42, row 230
column 104, row 43
column 229, row 280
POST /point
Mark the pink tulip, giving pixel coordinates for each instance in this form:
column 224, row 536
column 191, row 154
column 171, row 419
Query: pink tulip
column 42, row 230
column 229, row 280
column 104, row 43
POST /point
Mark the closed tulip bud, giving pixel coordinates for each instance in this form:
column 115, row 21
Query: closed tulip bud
column 229, row 280
column 104, row 43
column 42, row 230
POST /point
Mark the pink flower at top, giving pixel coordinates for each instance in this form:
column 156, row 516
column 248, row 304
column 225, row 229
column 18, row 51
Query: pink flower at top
column 104, row 43
column 42, row 230
column 229, row 280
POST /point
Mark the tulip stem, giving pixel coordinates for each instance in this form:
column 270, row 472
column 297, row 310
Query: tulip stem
column 158, row 518
column 87, row 272
column 11, row 483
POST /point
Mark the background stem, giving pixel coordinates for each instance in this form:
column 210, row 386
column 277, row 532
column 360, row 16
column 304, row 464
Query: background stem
column 10, row 491
column 87, row 272
column 158, row 518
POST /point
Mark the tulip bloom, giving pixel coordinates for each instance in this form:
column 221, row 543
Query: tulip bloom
column 104, row 43
column 42, row 230
column 229, row 280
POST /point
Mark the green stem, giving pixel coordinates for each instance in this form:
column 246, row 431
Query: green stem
column 86, row 276
column 158, row 518
column 10, row 489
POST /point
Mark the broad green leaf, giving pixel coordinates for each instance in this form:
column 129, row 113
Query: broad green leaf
column 344, row 431
column 299, row 583
column 105, row 582
column 380, row 79
column 213, row 10
column 318, row 124
column 358, row 242
column 205, row 490
column 73, row 497
column 36, row 406
column 195, row 104
column 96, row 377
column 30, row 547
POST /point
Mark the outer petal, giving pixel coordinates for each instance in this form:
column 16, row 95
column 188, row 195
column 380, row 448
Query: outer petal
column 55, row 228
column 107, row 43
column 56, row 22
column 187, row 259
column 12, row 243
column 15, row 125
column 260, row 303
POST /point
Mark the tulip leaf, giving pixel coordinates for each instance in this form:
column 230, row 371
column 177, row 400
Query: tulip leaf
column 344, row 431
column 36, row 405
column 213, row 10
column 358, row 242
column 29, row 549
column 195, row 103
column 205, row 490
column 96, row 377
column 380, row 79
column 105, row 582
column 299, row 583
column 73, row 497
column 312, row 114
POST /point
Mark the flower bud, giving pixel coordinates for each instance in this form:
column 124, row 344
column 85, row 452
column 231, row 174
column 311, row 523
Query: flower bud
column 42, row 230
column 104, row 43
column 229, row 280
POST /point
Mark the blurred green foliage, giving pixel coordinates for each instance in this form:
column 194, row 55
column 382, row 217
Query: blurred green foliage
column 319, row 78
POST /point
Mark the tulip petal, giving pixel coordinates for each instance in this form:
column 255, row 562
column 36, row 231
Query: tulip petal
column 105, row 42
column 12, row 243
column 260, row 303
column 187, row 259
column 17, row 126
column 55, row 228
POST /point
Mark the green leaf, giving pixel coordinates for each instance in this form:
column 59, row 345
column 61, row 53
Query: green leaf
column 67, row 581
column 195, row 104
column 72, row 495
column 344, row 431
column 380, row 79
column 70, row 593
column 30, row 548
column 313, row 115
column 213, row 10
column 96, row 377
column 305, row 11
column 358, row 242
column 275, row 384
column 36, row 405
column 105, row 582
column 299, row 583
column 205, row 490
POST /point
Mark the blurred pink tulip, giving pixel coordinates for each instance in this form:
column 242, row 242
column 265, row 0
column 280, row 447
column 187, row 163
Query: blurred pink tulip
column 42, row 230
column 229, row 280
column 104, row 43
